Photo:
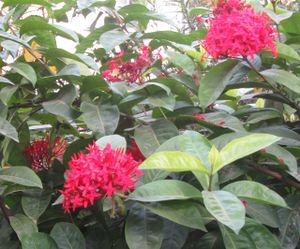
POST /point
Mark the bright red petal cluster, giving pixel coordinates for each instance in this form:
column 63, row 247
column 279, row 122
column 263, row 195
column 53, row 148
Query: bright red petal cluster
column 100, row 172
column 39, row 155
column 129, row 71
column 237, row 30
column 135, row 151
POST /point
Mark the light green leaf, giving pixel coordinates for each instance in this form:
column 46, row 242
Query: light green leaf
column 282, row 77
column 174, row 162
column 143, row 229
column 67, row 236
column 113, row 38
column 38, row 241
column 25, row 70
column 6, row 129
column 22, row 225
column 115, row 141
column 101, row 118
column 215, row 81
column 165, row 190
column 182, row 61
column 5, row 81
column 255, row 191
column 226, row 208
column 185, row 213
column 20, row 175
column 242, row 147
column 34, row 203
column 287, row 52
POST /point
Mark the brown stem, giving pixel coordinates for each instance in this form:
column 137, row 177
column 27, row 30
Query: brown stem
column 276, row 175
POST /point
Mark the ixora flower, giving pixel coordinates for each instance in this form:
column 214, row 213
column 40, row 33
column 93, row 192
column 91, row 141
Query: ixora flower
column 237, row 30
column 98, row 173
column 40, row 156
column 130, row 71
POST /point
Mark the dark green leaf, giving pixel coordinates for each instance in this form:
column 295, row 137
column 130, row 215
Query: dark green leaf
column 22, row 225
column 6, row 129
column 25, row 70
column 38, row 241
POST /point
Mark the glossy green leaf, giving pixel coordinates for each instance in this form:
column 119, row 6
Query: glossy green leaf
column 255, row 191
column 113, row 38
column 287, row 52
column 174, row 162
column 242, row 147
column 185, row 213
column 5, row 81
column 115, row 141
column 161, row 100
column 182, row 61
column 175, row 235
column 25, row 70
column 252, row 236
column 22, row 225
column 34, row 203
column 215, row 81
column 20, row 175
column 226, row 208
column 282, row 77
column 150, row 137
column 143, row 229
column 7, row 130
column 61, row 104
column 101, row 118
column 67, row 236
column 165, row 190
column 38, row 2
column 169, row 36
column 14, row 38
column 38, row 241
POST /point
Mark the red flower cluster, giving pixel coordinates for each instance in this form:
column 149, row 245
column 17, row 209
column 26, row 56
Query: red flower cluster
column 237, row 30
column 100, row 172
column 39, row 155
column 199, row 116
column 129, row 71
column 135, row 151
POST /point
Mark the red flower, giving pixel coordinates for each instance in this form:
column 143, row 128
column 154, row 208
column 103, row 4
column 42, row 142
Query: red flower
column 135, row 151
column 129, row 71
column 199, row 19
column 99, row 173
column 39, row 155
column 237, row 30
column 244, row 202
column 221, row 123
column 199, row 116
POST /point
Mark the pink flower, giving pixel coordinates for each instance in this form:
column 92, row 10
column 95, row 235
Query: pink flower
column 39, row 155
column 199, row 19
column 135, row 151
column 237, row 30
column 199, row 116
column 99, row 173
column 130, row 71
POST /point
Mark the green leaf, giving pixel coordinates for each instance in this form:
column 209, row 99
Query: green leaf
column 115, row 141
column 22, row 225
column 174, row 235
column 226, row 208
column 287, row 52
column 185, row 213
column 215, row 81
column 150, row 137
column 252, row 236
column 292, row 24
column 5, row 81
column 255, row 191
column 182, row 61
column 34, row 203
column 199, row 11
column 165, row 190
column 101, row 118
column 242, row 147
column 282, row 77
column 14, row 38
column 7, row 130
column 264, row 214
column 67, row 236
column 38, row 241
column 7, row 92
column 61, row 104
column 174, row 162
column 211, row 240
column 113, row 38
column 280, row 153
column 25, row 70
column 169, row 36
column 143, row 229
column 38, row 2
column 289, row 221
column 20, row 175
column 37, row 23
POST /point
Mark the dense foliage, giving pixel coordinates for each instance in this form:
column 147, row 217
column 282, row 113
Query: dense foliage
column 150, row 136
